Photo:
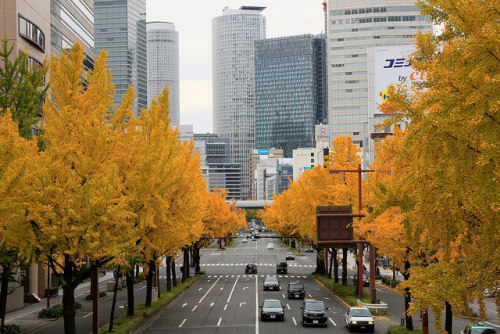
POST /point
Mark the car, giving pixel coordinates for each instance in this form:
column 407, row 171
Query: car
column 314, row 312
column 359, row 318
column 490, row 293
column 281, row 267
column 271, row 283
column 244, row 239
column 478, row 328
column 251, row 268
column 309, row 250
column 270, row 246
column 272, row 309
column 296, row 290
column 366, row 279
column 290, row 256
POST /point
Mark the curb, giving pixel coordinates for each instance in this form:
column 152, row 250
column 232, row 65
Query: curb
column 389, row 288
column 331, row 292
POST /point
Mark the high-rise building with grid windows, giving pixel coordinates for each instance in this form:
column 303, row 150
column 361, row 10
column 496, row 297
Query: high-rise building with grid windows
column 233, row 36
column 163, row 64
column 354, row 29
column 120, row 28
column 290, row 91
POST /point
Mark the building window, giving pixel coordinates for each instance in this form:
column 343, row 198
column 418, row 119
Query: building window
column 32, row 33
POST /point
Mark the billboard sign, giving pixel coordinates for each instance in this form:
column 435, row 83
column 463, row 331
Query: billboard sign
column 262, row 151
column 390, row 67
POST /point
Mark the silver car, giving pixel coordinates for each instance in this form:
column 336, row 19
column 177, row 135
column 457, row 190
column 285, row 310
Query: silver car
column 359, row 318
column 271, row 283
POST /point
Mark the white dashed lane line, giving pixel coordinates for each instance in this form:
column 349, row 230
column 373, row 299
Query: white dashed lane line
column 294, row 322
column 218, row 323
column 332, row 322
column 182, row 323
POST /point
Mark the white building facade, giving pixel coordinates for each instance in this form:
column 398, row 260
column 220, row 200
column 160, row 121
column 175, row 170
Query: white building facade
column 163, row 64
column 354, row 29
column 233, row 37
column 306, row 158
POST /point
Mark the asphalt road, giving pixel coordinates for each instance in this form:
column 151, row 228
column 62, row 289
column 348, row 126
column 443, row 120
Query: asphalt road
column 227, row 301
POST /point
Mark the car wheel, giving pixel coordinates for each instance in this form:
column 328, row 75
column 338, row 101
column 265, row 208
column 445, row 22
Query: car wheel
column 349, row 329
column 372, row 330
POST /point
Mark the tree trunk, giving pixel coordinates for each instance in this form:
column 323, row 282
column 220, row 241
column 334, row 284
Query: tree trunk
column 448, row 322
column 408, row 318
column 168, row 272
column 113, row 304
column 333, row 254
column 149, row 283
column 3, row 294
column 130, row 293
column 335, row 266
column 344, row 266
column 68, row 299
column 320, row 263
column 185, row 265
column 174, row 275
column 196, row 258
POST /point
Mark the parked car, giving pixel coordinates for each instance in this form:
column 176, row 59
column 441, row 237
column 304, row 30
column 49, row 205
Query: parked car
column 296, row 290
column 314, row 312
column 251, row 268
column 270, row 246
column 490, row 293
column 366, row 279
column 478, row 328
column 271, row 283
column 309, row 250
column 272, row 309
column 359, row 318
column 244, row 239
column 281, row 267
column 290, row 256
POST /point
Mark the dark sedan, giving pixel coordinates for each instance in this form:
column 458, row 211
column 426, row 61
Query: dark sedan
column 271, row 283
column 314, row 312
column 272, row 309
column 251, row 268
column 296, row 290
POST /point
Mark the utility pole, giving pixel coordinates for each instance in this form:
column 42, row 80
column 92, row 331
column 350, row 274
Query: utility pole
column 360, row 245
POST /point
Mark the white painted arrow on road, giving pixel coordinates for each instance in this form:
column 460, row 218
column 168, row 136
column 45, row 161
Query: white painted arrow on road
column 184, row 304
column 242, row 303
column 212, row 304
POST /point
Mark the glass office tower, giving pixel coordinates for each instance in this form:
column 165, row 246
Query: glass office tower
column 120, row 28
column 233, row 37
column 290, row 91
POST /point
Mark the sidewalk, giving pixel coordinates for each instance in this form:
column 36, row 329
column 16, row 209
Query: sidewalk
column 27, row 317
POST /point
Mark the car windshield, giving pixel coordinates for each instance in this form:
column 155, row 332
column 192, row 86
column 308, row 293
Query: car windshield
column 360, row 313
column 483, row 331
column 250, row 265
column 282, row 264
column 272, row 304
column 271, row 279
column 296, row 286
column 314, row 306
column 289, row 253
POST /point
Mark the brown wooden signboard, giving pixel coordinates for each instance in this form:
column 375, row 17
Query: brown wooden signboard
column 334, row 226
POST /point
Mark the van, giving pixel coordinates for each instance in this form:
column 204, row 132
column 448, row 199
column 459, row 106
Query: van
column 270, row 245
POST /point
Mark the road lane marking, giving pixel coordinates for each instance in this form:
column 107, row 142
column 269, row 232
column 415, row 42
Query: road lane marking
column 208, row 291
column 309, row 295
column 283, row 296
column 229, row 298
column 184, row 304
column 194, row 308
column 256, row 306
column 200, row 289
column 489, row 323
column 212, row 304
column 182, row 323
column 294, row 322
column 332, row 322
column 218, row 323
column 243, row 303
column 287, row 306
column 88, row 315
column 225, row 307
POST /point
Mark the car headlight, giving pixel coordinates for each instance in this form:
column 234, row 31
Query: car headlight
column 370, row 322
column 353, row 322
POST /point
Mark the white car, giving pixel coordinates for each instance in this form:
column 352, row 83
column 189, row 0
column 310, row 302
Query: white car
column 270, row 245
column 359, row 318
column 244, row 239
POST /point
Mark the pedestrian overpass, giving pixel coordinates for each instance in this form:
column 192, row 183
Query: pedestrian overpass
column 253, row 204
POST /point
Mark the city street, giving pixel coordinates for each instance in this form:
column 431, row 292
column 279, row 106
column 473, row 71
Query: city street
column 227, row 301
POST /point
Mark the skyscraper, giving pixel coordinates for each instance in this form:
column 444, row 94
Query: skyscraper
column 290, row 91
column 163, row 64
column 233, row 37
column 120, row 28
column 72, row 21
column 354, row 29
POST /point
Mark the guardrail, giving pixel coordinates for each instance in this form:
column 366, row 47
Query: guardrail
column 381, row 306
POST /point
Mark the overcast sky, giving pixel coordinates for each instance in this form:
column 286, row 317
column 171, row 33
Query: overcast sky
column 193, row 21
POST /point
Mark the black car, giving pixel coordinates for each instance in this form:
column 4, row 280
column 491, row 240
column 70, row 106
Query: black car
column 296, row 290
column 251, row 268
column 314, row 312
column 272, row 309
column 281, row 267
column 271, row 283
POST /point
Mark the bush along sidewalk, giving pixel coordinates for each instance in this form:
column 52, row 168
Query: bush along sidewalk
column 390, row 282
column 124, row 324
column 403, row 330
column 347, row 293
column 55, row 311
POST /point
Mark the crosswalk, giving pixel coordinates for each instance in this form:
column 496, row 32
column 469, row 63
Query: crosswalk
column 262, row 276
column 258, row 264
